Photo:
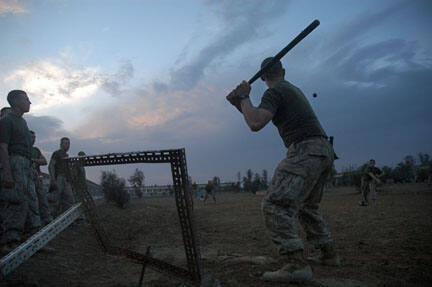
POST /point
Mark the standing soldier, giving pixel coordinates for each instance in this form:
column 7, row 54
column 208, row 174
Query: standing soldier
column 429, row 173
column 79, row 175
column 41, row 190
column 297, row 185
column 61, row 178
column 369, row 180
column 18, row 200
column 209, row 190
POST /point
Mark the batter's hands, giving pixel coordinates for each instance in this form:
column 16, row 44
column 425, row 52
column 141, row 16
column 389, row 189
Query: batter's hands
column 234, row 100
column 237, row 95
column 243, row 89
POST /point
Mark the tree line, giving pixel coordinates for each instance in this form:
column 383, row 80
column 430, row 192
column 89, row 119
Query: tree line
column 409, row 169
column 113, row 187
column 252, row 182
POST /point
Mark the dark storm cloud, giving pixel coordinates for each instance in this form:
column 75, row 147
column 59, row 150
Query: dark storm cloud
column 242, row 21
column 366, row 22
column 160, row 87
column 376, row 101
column 372, row 96
column 375, row 61
column 112, row 84
column 49, row 130
column 44, row 126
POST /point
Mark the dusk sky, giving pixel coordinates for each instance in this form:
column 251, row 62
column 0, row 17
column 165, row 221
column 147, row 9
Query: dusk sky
column 120, row 76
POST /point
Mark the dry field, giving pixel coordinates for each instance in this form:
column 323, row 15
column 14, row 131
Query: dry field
column 387, row 244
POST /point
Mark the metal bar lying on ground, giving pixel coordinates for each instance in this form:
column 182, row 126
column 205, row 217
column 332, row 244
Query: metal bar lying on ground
column 19, row 255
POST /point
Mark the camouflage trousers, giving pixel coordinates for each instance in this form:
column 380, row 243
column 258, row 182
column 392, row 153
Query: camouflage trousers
column 369, row 189
column 44, row 210
column 62, row 197
column 19, row 207
column 209, row 193
column 295, row 192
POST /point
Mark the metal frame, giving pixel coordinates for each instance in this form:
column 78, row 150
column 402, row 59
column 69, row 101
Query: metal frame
column 184, row 202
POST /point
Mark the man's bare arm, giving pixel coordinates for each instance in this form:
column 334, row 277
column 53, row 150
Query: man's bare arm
column 51, row 169
column 374, row 177
column 256, row 118
column 4, row 159
column 40, row 161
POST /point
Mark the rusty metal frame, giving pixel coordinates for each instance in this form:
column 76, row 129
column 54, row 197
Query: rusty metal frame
column 184, row 202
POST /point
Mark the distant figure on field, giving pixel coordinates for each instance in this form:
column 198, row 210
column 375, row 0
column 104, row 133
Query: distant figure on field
column 19, row 206
column 370, row 178
column 61, row 178
column 430, row 174
column 209, row 190
column 41, row 190
column 297, row 185
column 80, row 175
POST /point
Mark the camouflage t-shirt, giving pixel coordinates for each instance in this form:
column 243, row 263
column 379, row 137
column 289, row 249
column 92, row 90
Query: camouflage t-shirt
column 61, row 167
column 209, row 187
column 292, row 114
column 15, row 133
column 374, row 170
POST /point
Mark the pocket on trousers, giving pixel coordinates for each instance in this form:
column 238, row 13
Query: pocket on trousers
column 10, row 195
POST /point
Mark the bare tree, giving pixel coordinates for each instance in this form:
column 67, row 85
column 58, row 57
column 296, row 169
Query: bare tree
column 137, row 181
column 113, row 188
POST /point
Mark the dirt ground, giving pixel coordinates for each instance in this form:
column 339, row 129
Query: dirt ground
column 386, row 244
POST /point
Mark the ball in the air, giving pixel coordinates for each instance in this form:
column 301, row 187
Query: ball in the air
column 314, row 95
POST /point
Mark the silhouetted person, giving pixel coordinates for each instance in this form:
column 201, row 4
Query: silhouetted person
column 209, row 190
column 370, row 178
column 19, row 206
column 297, row 185
column 61, row 178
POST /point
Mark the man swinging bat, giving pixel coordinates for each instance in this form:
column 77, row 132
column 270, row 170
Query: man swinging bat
column 297, row 185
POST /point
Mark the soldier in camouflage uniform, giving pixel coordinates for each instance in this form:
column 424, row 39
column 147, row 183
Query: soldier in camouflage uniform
column 41, row 190
column 369, row 179
column 209, row 190
column 19, row 206
column 429, row 179
column 61, row 178
column 79, row 175
column 297, row 185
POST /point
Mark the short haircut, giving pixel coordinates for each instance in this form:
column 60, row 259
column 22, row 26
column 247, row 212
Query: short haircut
column 372, row 160
column 4, row 110
column 275, row 70
column 14, row 95
column 32, row 132
column 64, row 139
column 81, row 153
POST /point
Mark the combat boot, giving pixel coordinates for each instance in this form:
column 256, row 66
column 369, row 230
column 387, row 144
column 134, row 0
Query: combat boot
column 295, row 271
column 328, row 256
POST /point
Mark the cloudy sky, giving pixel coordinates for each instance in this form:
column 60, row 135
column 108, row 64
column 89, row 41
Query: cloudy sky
column 119, row 76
